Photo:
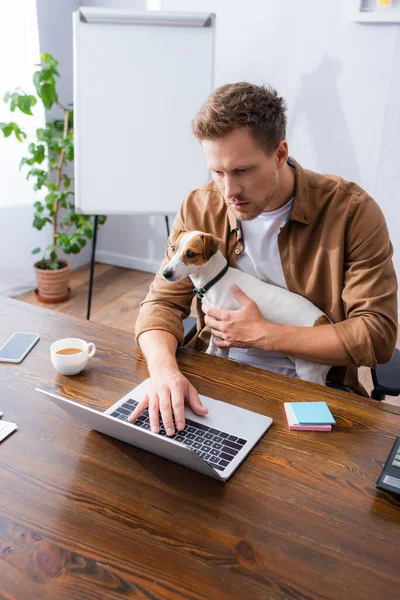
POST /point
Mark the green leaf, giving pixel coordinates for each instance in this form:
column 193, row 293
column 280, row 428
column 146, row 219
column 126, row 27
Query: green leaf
column 38, row 222
column 24, row 104
column 36, row 251
column 38, row 155
column 59, row 125
column 89, row 231
column 44, row 135
column 7, row 97
column 49, row 60
column 6, row 129
column 37, row 78
column 14, row 101
column 48, row 94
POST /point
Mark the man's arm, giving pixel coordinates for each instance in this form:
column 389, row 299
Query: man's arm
column 320, row 345
column 158, row 331
column 168, row 388
column 369, row 333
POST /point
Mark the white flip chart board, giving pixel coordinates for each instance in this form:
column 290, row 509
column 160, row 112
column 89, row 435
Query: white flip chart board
column 139, row 79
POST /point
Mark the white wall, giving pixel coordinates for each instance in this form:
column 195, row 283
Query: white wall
column 339, row 78
column 17, row 236
column 342, row 85
column 19, row 50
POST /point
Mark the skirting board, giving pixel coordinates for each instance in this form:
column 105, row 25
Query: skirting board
column 129, row 262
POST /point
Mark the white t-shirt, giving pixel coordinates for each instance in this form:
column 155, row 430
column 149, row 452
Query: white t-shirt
column 261, row 258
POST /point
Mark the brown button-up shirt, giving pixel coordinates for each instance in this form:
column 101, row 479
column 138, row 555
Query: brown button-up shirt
column 335, row 251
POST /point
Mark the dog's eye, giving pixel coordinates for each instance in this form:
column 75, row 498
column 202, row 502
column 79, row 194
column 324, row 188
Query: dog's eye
column 191, row 254
column 173, row 248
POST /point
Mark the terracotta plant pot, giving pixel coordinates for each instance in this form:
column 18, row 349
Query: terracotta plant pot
column 52, row 286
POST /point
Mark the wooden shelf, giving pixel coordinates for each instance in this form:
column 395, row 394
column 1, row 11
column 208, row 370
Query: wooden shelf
column 366, row 11
column 366, row 16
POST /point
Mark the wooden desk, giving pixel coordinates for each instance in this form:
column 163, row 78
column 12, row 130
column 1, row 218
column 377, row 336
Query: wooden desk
column 83, row 516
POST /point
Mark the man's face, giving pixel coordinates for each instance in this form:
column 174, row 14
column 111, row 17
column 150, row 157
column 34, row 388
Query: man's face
column 247, row 177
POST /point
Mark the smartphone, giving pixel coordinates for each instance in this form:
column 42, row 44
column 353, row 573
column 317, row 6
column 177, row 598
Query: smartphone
column 18, row 346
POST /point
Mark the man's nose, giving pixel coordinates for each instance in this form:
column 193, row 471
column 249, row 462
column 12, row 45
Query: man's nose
column 167, row 273
column 232, row 188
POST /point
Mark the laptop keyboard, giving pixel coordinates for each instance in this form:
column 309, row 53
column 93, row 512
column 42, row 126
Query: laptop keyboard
column 217, row 448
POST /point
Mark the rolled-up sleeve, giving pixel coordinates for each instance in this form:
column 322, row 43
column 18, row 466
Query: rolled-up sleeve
column 166, row 303
column 369, row 333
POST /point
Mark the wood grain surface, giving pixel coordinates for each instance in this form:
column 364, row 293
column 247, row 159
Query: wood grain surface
column 84, row 516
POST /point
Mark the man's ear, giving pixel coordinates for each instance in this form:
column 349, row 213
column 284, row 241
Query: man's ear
column 211, row 245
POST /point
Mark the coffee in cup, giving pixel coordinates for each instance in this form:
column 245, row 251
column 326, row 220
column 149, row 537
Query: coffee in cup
column 70, row 355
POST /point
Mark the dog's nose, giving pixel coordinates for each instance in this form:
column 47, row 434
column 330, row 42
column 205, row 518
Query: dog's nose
column 167, row 273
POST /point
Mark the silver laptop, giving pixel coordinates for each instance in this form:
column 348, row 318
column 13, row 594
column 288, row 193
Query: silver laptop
column 214, row 445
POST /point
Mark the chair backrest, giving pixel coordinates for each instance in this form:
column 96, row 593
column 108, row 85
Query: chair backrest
column 386, row 378
column 189, row 328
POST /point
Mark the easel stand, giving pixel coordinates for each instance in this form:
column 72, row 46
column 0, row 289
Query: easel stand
column 92, row 262
column 92, row 267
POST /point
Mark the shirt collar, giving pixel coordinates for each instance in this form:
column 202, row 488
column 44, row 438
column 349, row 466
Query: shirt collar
column 301, row 208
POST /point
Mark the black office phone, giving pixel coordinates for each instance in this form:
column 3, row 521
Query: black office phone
column 389, row 479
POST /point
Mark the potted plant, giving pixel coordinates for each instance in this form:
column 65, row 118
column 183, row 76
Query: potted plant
column 49, row 154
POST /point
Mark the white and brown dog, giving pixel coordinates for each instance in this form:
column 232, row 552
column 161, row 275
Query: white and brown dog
column 197, row 255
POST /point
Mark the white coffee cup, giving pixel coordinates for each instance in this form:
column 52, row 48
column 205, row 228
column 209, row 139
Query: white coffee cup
column 73, row 363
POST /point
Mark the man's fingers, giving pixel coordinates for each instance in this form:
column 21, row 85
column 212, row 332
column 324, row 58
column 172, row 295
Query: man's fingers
column 166, row 410
column 214, row 323
column 211, row 311
column 221, row 343
column 139, row 409
column 194, row 402
column 154, row 416
column 178, row 403
column 217, row 335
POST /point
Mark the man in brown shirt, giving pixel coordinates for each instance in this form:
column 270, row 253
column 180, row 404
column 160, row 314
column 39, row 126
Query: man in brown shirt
column 334, row 250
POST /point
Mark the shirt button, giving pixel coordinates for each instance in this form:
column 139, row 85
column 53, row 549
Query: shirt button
column 237, row 251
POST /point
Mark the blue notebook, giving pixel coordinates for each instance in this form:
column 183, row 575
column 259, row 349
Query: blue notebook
column 312, row 413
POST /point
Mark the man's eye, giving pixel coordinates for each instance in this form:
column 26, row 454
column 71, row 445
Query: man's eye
column 190, row 254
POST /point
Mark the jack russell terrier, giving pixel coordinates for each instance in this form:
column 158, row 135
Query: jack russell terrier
column 197, row 255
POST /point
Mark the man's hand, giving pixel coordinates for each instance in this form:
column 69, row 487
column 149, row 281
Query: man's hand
column 166, row 394
column 243, row 328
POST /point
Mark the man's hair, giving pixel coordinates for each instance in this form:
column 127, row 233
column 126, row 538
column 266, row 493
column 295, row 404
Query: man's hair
column 257, row 108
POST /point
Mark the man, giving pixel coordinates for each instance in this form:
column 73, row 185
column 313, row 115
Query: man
column 317, row 235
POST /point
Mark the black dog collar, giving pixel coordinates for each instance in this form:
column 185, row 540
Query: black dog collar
column 201, row 291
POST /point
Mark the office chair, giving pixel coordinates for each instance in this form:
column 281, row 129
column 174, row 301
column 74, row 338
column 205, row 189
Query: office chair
column 189, row 329
column 386, row 378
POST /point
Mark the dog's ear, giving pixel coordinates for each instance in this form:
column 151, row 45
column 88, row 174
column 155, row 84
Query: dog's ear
column 175, row 235
column 211, row 245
